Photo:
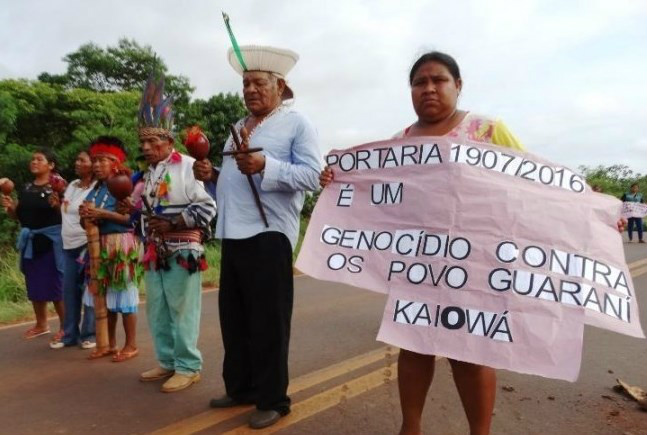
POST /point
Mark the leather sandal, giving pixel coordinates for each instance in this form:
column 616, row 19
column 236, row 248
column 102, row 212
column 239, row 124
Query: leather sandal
column 35, row 332
column 96, row 353
column 122, row 355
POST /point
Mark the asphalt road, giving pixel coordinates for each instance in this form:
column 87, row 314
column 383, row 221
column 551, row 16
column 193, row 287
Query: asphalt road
column 343, row 381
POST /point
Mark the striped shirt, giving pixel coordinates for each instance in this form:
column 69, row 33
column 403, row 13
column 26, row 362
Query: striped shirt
column 172, row 190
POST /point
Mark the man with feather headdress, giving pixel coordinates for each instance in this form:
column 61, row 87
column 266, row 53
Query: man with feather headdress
column 176, row 215
column 256, row 283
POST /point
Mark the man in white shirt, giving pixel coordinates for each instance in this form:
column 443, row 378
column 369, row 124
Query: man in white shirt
column 256, row 284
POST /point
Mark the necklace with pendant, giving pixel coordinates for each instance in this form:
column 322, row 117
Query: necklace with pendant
column 155, row 186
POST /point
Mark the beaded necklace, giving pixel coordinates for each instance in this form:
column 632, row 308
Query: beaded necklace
column 274, row 111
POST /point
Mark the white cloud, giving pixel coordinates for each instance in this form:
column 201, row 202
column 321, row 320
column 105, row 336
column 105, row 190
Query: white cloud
column 567, row 76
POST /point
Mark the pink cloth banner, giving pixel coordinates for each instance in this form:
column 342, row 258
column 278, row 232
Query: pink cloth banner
column 487, row 255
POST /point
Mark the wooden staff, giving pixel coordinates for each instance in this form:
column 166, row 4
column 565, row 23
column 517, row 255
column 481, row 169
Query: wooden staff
column 100, row 308
column 236, row 152
column 257, row 198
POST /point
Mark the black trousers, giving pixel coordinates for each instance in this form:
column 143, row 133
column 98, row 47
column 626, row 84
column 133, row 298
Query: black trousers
column 256, row 296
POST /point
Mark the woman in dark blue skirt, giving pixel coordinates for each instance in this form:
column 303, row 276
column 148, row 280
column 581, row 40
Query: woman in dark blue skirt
column 39, row 241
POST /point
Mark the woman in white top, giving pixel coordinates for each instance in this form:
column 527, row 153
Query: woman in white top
column 74, row 243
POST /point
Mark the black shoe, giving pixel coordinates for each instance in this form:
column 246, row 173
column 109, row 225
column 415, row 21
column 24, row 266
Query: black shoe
column 224, row 402
column 260, row 419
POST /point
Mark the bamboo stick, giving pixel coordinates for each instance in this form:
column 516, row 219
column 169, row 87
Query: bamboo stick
column 100, row 308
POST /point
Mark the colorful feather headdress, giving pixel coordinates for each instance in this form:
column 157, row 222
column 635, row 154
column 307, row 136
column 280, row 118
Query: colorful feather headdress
column 155, row 111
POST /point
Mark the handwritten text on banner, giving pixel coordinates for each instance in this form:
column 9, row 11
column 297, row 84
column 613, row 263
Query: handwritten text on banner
column 487, row 255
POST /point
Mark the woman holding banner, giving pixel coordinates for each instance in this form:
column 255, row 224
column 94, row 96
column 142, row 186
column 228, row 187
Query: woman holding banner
column 436, row 83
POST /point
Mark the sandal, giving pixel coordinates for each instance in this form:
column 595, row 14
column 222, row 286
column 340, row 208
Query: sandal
column 35, row 332
column 122, row 356
column 96, row 354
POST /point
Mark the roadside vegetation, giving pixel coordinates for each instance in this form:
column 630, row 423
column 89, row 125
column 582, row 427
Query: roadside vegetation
column 99, row 94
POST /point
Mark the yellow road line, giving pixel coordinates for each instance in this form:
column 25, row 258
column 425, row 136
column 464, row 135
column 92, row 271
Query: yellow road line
column 637, row 263
column 319, row 402
column 317, row 377
column 325, row 400
column 637, row 272
column 206, row 419
column 201, row 421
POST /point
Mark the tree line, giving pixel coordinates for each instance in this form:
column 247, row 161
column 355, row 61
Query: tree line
column 99, row 94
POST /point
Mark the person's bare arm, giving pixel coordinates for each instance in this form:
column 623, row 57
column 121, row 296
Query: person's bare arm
column 10, row 205
column 101, row 213
column 204, row 171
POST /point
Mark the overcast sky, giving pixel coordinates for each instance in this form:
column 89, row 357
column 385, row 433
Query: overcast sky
column 568, row 77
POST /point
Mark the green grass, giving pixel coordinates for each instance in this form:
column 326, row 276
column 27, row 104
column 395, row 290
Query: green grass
column 211, row 277
column 15, row 307
column 302, row 233
column 12, row 281
column 13, row 312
